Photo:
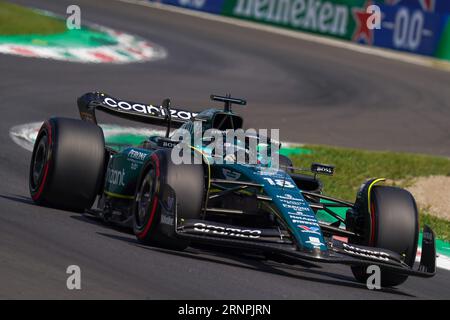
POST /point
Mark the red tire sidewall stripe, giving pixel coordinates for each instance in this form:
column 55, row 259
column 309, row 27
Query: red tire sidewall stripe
column 36, row 196
column 155, row 203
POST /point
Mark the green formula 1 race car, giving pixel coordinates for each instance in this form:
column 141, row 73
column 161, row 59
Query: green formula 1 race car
column 258, row 206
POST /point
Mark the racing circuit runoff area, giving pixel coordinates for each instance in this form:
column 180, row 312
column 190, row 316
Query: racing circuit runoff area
column 312, row 92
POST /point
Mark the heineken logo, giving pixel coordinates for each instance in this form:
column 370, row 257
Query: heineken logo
column 312, row 15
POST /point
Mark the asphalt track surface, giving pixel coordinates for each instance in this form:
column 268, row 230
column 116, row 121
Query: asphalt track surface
column 315, row 93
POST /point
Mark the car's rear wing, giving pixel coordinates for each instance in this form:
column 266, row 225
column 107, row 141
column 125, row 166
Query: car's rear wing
column 142, row 112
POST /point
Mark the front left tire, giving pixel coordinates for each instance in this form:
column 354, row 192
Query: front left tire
column 188, row 184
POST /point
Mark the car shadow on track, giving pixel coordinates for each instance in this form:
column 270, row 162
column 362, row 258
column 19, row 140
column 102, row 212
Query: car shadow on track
column 257, row 263
column 18, row 198
column 100, row 222
column 227, row 256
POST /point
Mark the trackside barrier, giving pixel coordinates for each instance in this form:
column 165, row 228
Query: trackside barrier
column 416, row 26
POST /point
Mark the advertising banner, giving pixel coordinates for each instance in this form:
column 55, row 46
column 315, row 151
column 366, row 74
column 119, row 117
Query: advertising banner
column 409, row 28
column 331, row 18
column 416, row 26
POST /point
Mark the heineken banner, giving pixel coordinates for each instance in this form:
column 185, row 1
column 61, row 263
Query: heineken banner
column 416, row 26
column 331, row 18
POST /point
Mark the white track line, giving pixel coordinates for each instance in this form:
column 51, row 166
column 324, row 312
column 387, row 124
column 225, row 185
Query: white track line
column 380, row 52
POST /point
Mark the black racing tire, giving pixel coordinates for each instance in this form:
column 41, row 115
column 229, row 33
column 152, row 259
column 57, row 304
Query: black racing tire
column 67, row 164
column 188, row 183
column 394, row 226
column 285, row 164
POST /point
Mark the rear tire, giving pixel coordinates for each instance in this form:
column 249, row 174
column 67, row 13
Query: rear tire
column 67, row 164
column 394, row 226
column 188, row 183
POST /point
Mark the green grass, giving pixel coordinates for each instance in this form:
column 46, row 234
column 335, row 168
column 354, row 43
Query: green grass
column 440, row 227
column 15, row 20
column 353, row 167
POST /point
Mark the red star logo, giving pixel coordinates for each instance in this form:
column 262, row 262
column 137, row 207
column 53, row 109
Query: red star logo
column 362, row 31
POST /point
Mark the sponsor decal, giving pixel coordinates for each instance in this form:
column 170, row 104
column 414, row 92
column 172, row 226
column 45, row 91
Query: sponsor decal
column 304, row 220
column 310, row 219
column 292, row 203
column 295, row 208
column 137, row 155
column 372, row 254
column 230, row 174
column 314, row 230
column 290, row 197
column 310, row 223
column 115, row 177
column 315, row 242
column 301, row 212
column 268, row 172
column 147, row 109
column 167, row 144
column 303, row 216
column 232, row 231
column 300, row 215
column 322, row 168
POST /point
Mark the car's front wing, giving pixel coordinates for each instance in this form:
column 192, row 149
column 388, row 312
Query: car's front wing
column 338, row 251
